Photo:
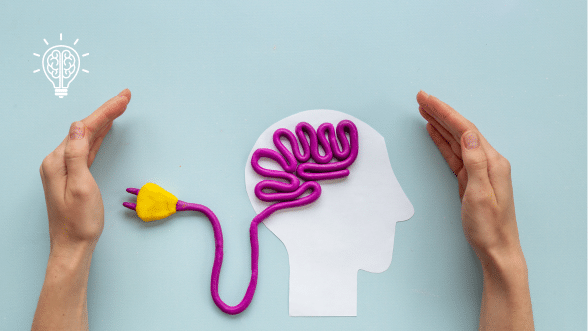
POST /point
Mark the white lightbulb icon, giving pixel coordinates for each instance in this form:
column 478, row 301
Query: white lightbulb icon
column 61, row 65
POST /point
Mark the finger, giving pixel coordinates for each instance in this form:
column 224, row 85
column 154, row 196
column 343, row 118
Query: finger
column 97, row 143
column 455, row 147
column 476, row 164
column 105, row 114
column 61, row 148
column 499, row 173
column 53, row 172
column 43, row 178
column 76, row 154
column 451, row 120
column 455, row 163
column 462, row 181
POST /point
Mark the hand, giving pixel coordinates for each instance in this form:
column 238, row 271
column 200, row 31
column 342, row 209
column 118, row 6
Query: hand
column 484, row 177
column 76, row 219
column 74, row 203
column 487, row 212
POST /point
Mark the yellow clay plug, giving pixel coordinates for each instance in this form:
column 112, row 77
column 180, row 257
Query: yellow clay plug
column 153, row 202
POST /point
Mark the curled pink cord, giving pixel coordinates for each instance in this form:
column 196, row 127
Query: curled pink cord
column 288, row 195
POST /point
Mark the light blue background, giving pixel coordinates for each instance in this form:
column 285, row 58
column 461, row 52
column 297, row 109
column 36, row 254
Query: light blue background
column 208, row 78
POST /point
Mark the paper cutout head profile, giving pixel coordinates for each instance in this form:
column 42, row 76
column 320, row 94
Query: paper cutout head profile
column 350, row 227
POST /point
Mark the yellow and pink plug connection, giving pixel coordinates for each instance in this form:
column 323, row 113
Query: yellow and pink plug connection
column 153, row 202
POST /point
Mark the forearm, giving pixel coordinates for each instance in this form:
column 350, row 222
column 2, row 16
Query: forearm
column 506, row 301
column 62, row 302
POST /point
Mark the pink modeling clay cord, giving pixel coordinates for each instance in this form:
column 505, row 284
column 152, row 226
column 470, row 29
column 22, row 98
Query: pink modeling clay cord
column 288, row 194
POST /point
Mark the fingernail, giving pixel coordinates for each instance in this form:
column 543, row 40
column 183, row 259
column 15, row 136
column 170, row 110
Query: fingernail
column 120, row 94
column 471, row 140
column 77, row 130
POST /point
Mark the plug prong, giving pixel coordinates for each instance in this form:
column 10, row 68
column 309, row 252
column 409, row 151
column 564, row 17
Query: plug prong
column 132, row 190
column 130, row 205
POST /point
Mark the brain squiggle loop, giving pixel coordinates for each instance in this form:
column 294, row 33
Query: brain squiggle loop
column 288, row 160
column 69, row 63
column 53, row 64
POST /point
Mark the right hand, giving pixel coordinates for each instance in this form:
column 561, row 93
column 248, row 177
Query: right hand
column 485, row 185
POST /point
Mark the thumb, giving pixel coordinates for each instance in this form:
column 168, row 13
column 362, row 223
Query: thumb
column 76, row 152
column 474, row 159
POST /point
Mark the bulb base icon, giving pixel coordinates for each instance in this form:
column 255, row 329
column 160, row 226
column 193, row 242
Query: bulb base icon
column 61, row 92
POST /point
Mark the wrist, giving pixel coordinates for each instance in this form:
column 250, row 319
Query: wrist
column 62, row 302
column 505, row 267
column 506, row 299
column 70, row 259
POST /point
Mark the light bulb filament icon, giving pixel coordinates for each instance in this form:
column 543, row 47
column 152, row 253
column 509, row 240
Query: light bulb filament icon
column 61, row 65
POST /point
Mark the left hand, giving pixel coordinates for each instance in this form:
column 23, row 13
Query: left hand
column 74, row 203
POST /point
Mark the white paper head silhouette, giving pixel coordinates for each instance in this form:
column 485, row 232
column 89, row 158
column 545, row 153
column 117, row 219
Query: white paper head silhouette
column 350, row 227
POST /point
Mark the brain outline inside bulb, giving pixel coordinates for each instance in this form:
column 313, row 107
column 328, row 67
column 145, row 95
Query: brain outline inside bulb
column 61, row 64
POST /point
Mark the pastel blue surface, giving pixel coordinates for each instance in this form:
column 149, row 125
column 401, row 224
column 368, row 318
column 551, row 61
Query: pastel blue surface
column 208, row 78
